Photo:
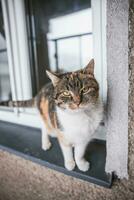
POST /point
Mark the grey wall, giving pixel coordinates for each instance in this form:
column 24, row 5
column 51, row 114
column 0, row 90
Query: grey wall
column 117, row 74
column 131, row 95
column 23, row 180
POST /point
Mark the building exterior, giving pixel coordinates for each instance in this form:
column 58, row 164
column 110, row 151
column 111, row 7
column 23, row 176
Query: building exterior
column 22, row 179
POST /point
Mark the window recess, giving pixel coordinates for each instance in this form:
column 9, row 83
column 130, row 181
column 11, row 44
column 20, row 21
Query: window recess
column 29, row 31
column 34, row 43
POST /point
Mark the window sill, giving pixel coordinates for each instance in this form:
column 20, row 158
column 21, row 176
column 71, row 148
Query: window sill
column 26, row 142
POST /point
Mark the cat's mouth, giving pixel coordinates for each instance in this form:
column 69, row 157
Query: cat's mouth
column 73, row 106
column 76, row 106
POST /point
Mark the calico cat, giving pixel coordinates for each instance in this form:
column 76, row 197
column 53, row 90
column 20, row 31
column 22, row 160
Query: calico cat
column 71, row 110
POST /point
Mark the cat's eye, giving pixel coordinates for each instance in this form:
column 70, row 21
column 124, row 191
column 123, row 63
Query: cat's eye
column 85, row 89
column 66, row 93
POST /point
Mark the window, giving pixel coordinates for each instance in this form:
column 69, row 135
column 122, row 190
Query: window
column 29, row 45
column 41, row 35
column 70, row 36
column 16, row 65
column 5, row 89
column 56, row 35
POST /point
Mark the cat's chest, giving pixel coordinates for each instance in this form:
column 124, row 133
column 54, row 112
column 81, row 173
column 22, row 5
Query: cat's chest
column 74, row 122
column 75, row 125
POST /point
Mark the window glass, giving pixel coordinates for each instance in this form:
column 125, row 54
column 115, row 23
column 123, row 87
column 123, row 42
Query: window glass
column 61, row 32
column 69, row 36
column 68, row 54
column 5, row 89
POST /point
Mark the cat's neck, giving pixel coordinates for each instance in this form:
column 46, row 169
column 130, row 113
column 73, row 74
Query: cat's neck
column 76, row 111
column 70, row 111
column 87, row 109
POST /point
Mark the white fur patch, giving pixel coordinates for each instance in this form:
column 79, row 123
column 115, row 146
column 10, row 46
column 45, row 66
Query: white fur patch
column 79, row 125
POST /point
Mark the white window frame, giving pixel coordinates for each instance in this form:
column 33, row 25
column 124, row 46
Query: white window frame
column 99, row 44
column 19, row 63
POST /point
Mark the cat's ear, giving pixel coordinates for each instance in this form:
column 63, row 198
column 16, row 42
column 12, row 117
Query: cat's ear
column 89, row 69
column 54, row 78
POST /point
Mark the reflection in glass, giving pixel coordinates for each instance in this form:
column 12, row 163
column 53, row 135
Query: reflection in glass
column 70, row 40
column 5, row 89
column 68, row 54
column 60, row 36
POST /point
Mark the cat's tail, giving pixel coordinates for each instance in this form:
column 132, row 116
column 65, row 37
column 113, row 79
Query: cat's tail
column 23, row 104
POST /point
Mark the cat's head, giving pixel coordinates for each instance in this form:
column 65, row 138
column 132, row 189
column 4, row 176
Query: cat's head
column 75, row 90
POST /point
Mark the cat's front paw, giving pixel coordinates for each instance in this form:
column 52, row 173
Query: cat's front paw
column 83, row 165
column 46, row 145
column 70, row 165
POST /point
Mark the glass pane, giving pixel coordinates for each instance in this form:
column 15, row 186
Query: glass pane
column 68, row 54
column 56, row 32
column 74, row 23
column 86, row 50
column 67, row 32
column 5, row 89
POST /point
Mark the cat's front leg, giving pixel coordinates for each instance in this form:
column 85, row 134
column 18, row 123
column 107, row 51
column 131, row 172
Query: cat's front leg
column 68, row 155
column 46, row 144
column 79, row 151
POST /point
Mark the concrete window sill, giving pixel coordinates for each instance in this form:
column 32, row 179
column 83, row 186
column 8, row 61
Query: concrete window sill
column 26, row 142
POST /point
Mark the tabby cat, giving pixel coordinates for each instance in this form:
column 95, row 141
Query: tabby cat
column 71, row 110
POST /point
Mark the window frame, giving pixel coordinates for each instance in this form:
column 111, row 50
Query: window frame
column 99, row 44
column 19, row 58
column 18, row 61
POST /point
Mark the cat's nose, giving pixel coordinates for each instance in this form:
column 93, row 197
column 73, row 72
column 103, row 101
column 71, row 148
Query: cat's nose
column 77, row 100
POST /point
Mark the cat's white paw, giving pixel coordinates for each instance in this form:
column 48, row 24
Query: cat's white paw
column 46, row 145
column 83, row 165
column 70, row 165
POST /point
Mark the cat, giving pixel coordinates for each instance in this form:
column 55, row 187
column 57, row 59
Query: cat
column 71, row 110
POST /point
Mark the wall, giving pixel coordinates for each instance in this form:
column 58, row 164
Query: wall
column 21, row 179
column 117, row 74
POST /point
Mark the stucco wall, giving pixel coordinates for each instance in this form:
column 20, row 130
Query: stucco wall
column 117, row 78
column 23, row 180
